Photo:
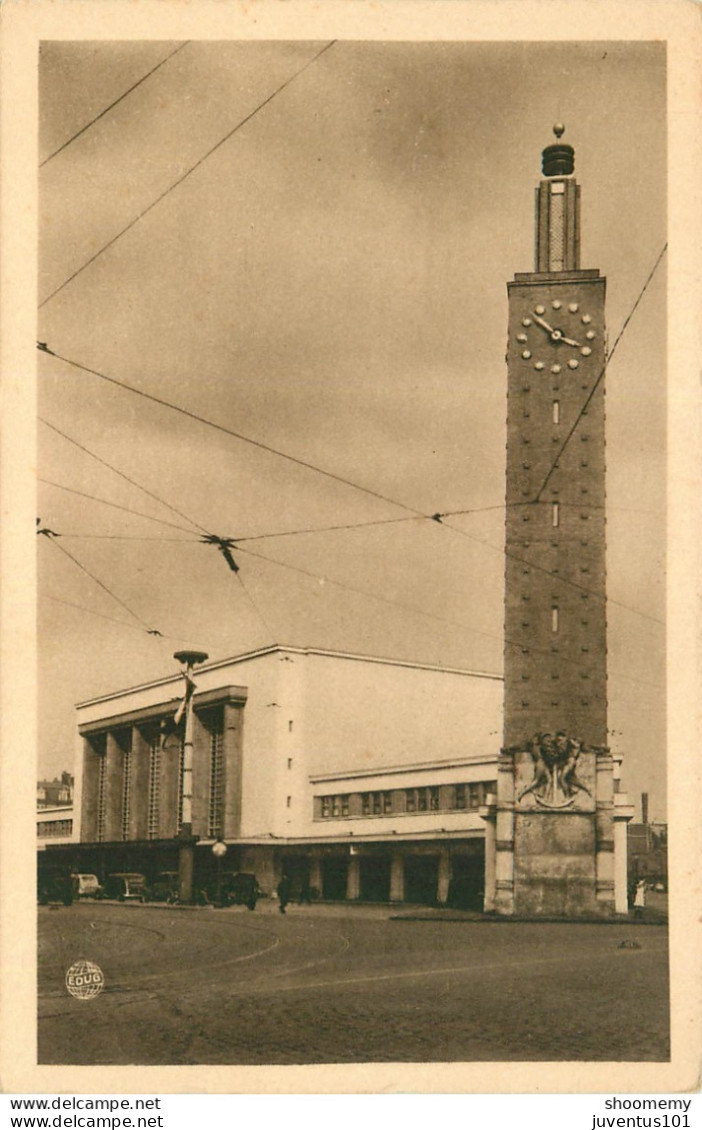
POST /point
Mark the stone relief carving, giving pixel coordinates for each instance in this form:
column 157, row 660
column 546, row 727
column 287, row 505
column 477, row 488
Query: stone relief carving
column 555, row 782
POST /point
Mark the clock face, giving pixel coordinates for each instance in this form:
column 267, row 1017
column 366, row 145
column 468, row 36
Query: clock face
column 556, row 336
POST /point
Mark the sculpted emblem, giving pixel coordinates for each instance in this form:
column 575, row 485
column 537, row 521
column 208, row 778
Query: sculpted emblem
column 555, row 783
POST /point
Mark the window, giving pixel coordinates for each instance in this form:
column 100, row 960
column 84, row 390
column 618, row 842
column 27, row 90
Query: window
column 421, row 800
column 290, row 763
column 460, row 801
column 326, row 806
column 101, row 751
column 410, row 800
column 214, row 722
column 376, row 803
column 474, row 797
column 336, row 806
column 345, row 804
column 365, row 804
column 387, row 802
column 434, row 799
column 152, row 826
column 288, row 801
column 125, row 742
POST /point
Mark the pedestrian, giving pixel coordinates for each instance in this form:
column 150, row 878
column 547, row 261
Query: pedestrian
column 640, row 898
column 284, row 888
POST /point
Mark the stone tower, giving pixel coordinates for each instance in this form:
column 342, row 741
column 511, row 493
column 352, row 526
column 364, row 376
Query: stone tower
column 554, row 831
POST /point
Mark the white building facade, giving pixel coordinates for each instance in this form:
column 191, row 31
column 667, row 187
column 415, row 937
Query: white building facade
column 358, row 777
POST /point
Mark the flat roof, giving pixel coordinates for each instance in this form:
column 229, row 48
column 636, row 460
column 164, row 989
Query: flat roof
column 218, row 664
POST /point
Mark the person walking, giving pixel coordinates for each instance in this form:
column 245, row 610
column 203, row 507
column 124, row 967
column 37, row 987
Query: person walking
column 640, row 898
column 284, row 888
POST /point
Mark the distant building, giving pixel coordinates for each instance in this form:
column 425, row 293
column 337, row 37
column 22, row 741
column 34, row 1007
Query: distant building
column 52, row 794
column 55, row 825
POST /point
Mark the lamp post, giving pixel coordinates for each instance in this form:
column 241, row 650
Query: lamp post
column 219, row 850
column 186, row 851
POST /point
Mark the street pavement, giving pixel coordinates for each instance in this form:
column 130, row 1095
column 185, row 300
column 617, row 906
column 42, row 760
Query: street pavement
column 339, row 984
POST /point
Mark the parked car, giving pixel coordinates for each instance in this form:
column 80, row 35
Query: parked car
column 126, row 885
column 164, row 887
column 240, row 889
column 86, row 886
column 55, row 884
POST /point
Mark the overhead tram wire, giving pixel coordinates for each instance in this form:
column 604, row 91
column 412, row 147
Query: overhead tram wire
column 145, row 626
column 187, row 173
column 103, row 616
column 122, row 475
column 115, row 505
column 230, row 432
column 600, row 375
column 112, row 105
column 423, row 612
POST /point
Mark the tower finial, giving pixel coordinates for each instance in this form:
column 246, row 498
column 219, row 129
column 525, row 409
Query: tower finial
column 559, row 129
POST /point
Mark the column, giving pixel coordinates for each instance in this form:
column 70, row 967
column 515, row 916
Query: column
column 442, row 892
column 604, row 863
column 353, row 880
column 488, row 814
column 504, row 838
column 316, row 873
column 114, row 769
column 623, row 813
column 88, row 822
column 139, row 786
column 233, row 767
column 397, row 877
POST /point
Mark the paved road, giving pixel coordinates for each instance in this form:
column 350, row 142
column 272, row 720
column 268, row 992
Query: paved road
column 346, row 985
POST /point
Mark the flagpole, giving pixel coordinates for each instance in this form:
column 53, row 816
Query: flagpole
column 186, row 851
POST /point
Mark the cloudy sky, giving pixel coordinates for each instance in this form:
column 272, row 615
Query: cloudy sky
column 329, row 282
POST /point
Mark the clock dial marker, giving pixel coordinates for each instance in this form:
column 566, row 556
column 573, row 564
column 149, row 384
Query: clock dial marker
column 555, row 368
column 540, row 309
column 556, row 304
column 526, row 321
column 526, row 354
column 573, row 307
column 572, row 364
column 586, row 351
column 586, row 319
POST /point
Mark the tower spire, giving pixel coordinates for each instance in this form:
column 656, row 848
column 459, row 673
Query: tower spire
column 558, row 209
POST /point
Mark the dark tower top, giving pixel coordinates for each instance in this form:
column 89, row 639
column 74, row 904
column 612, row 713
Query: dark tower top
column 558, row 210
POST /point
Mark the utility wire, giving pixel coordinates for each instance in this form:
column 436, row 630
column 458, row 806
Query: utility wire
column 601, row 374
column 112, row 105
column 106, row 502
column 549, row 572
column 257, row 610
column 228, row 431
column 121, row 474
column 97, row 581
column 429, row 615
column 187, row 173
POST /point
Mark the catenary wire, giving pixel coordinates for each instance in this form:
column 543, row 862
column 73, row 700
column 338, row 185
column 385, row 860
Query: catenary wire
column 115, row 505
column 104, row 616
column 122, row 475
column 187, row 173
column 111, row 106
column 100, row 583
column 429, row 615
column 230, row 432
column 601, row 374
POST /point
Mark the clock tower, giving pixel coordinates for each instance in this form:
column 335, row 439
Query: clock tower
column 554, row 817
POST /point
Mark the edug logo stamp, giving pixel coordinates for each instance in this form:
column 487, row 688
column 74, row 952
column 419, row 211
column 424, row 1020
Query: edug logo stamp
column 85, row 980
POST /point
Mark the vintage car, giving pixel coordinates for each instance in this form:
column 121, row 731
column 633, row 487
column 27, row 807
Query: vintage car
column 86, row 886
column 126, row 886
column 164, row 887
column 238, row 889
column 55, row 884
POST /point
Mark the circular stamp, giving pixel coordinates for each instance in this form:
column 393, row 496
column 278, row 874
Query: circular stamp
column 85, row 980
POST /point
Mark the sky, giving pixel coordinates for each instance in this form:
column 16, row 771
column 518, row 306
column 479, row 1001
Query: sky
column 329, row 282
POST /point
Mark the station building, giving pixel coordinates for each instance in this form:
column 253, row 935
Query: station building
column 361, row 777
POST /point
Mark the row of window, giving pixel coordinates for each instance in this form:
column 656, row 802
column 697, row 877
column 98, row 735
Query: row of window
column 49, row 828
column 157, row 744
column 388, row 802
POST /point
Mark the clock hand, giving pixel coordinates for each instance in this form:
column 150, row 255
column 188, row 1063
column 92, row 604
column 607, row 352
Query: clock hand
column 541, row 322
column 569, row 341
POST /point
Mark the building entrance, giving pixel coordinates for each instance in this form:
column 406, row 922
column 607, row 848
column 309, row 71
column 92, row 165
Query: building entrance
column 467, row 888
column 335, row 870
column 421, row 879
column 375, row 878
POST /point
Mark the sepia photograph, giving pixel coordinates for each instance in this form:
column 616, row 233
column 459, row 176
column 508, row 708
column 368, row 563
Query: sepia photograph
column 352, row 487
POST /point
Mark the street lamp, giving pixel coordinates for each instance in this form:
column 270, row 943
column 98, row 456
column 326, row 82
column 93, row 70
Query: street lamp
column 219, row 850
column 186, row 852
